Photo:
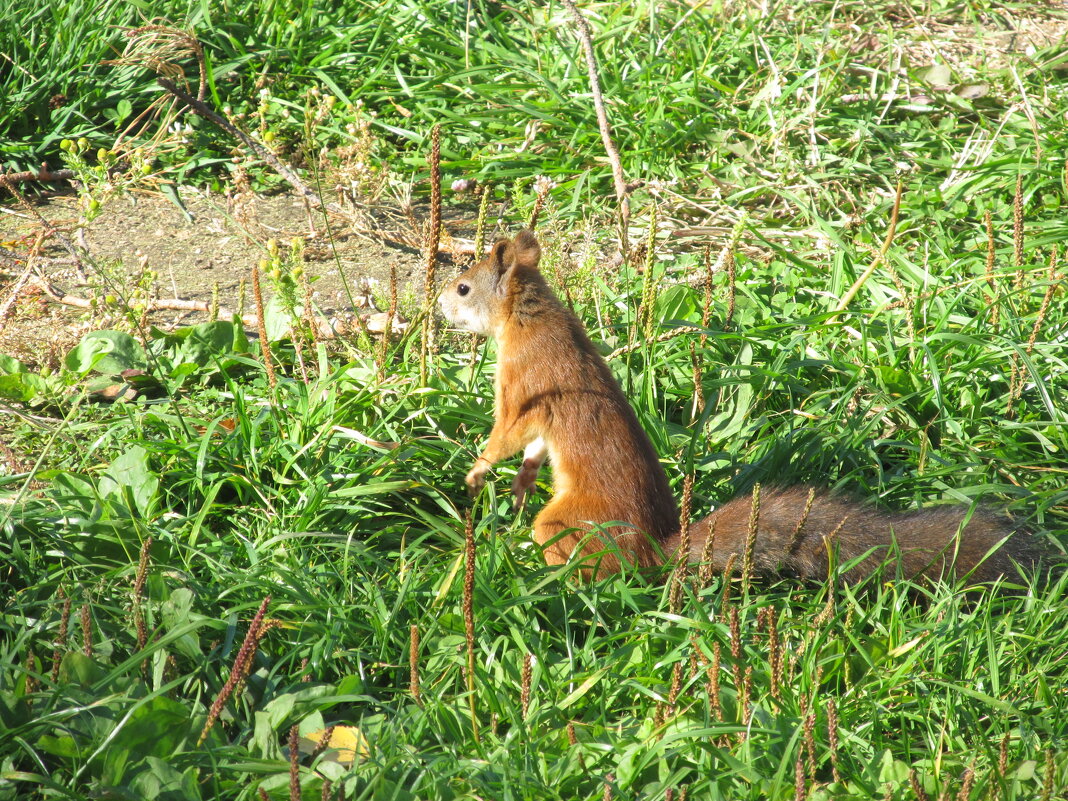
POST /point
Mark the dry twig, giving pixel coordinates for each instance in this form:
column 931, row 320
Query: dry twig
column 582, row 30
column 44, row 174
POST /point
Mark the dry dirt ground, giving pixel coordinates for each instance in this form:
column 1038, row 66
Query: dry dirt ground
column 209, row 243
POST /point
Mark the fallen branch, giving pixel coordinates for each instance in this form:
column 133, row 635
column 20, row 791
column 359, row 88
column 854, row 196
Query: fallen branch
column 258, row 148
column 44, row 175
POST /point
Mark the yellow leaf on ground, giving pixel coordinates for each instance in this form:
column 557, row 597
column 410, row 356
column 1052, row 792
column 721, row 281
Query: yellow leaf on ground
column 346, row 744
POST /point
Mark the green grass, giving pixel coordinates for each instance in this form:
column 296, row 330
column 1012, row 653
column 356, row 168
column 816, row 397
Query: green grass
column 355, row 545
column 753, row 107
column 249, row 492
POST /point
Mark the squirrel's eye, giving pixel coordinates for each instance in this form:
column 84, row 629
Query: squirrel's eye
column 462, row 289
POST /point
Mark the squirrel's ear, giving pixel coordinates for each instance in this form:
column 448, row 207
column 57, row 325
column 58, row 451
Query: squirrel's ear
column 527, row 249
column 523, row 252
column 502, row 256
column 507, row 256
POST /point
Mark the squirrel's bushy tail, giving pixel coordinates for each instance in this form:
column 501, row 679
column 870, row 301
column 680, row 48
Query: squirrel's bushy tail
column 799, row 531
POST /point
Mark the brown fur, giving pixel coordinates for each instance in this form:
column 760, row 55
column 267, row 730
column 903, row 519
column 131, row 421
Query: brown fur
column 552, row 384
column 928, row 543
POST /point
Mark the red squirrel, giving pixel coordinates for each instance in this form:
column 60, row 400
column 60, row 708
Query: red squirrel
column 556, row 398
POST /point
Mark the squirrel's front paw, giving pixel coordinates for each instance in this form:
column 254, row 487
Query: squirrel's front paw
column 476, row 477
column 524, row 482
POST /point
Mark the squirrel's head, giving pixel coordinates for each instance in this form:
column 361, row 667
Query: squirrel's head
column 476, row 299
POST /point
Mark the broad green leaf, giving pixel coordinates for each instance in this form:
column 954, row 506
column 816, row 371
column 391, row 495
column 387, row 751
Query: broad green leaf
column 14, row 710
column 22, row 387
column 130, row 476
column 938, row 75
column 80, row 670
column 9, row 364
column 679, row 303
column 155, row 728
column 201, row 344
column 583, row 688
column 108, row 352
column 61, row 746
column 277, row 321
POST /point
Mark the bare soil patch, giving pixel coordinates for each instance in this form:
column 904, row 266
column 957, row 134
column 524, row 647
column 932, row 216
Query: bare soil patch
column 213, row 243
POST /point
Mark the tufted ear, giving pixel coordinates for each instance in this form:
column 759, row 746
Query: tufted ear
column 527, row 249
column 502, row 256
column 507, row 256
